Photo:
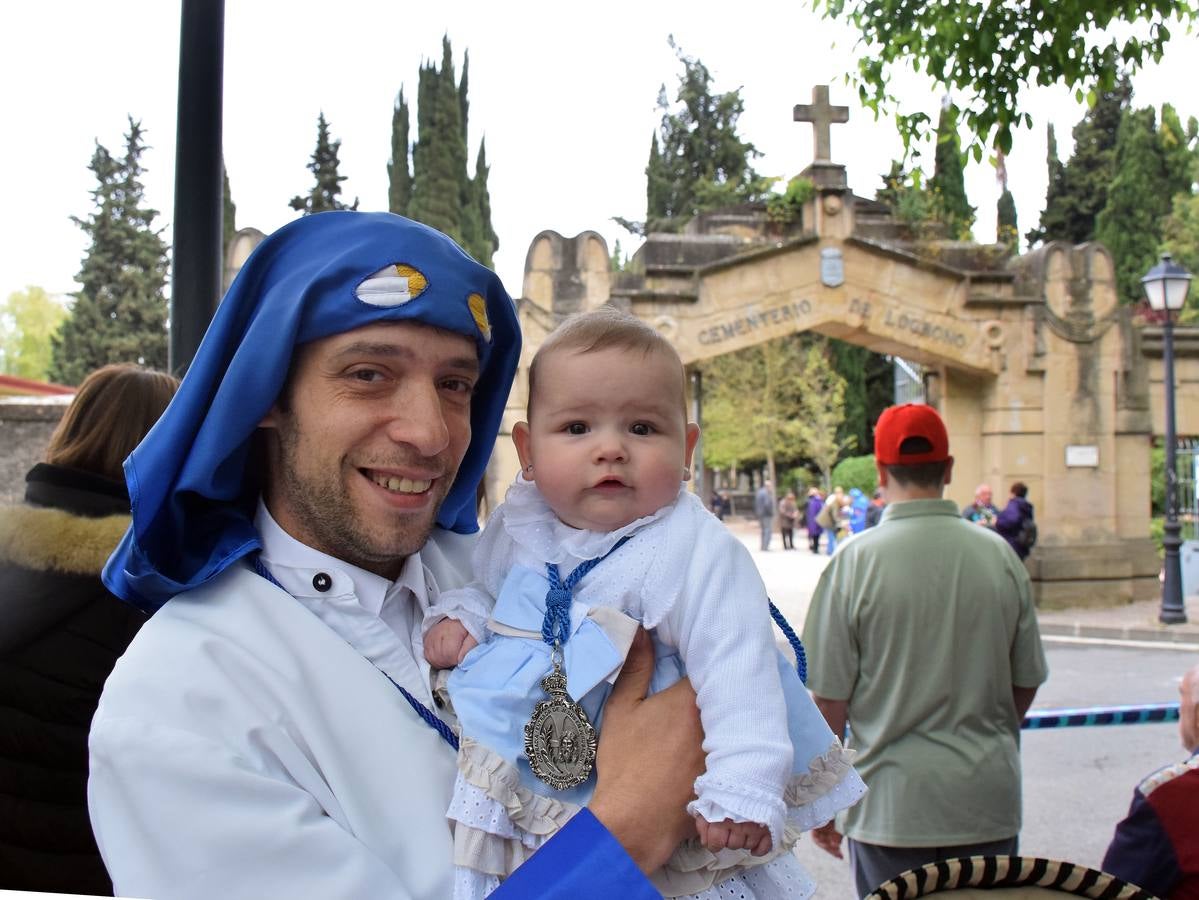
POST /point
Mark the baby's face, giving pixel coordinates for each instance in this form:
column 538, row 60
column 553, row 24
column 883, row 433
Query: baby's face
column 608, row 439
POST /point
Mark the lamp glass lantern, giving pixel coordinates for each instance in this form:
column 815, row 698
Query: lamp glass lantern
column 1166, row 285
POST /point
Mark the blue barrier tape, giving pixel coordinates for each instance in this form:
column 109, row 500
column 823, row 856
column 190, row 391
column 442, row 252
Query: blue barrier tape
column 1101, row 715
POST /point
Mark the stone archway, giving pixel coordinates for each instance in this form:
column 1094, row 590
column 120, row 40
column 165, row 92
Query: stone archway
column 1036, row 369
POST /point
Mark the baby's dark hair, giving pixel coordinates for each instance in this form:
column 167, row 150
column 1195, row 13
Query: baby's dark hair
column 605, row 328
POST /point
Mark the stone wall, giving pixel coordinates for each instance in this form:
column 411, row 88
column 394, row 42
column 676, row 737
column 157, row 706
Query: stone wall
column 26, row 424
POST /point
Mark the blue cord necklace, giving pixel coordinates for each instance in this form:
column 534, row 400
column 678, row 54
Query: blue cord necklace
column 427, row 715
column 560, row 740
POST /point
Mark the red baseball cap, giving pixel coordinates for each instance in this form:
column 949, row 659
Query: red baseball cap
column 912, row 420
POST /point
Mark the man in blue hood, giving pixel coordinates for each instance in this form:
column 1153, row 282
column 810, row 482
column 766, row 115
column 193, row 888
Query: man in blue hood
column 273, row 730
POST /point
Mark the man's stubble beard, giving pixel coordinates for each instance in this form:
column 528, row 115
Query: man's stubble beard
column 330, row 522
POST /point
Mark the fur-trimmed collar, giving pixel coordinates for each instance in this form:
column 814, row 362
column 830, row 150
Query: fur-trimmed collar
column 51, row 540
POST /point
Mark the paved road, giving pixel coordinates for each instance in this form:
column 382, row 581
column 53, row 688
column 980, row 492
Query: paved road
column 1077, row 781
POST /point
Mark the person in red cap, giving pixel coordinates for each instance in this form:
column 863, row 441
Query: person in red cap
column 929, row 652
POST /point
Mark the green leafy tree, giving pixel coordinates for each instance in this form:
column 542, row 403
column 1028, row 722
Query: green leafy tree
column 781, row 400
column 856, row 472
column 399, row 175
column 1152, row 167
column 1180, row 238
column 752, row 398
column 822, row 410
column 1078, row 190
column 989, row 52
column 949, row 178
column 120, row 311
column 323, row 196
column 697, row 160
column 28, row 320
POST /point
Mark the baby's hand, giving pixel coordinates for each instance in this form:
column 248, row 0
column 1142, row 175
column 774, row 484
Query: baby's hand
column 446, row 643
column 732, row 835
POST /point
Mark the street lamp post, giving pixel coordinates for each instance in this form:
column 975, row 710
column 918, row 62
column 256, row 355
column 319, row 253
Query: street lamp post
column 1166, row 286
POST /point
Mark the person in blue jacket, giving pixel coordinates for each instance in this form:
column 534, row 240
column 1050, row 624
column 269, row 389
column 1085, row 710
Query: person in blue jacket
column 310, row 490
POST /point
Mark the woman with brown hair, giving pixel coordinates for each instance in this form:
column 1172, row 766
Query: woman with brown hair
column 60, row 630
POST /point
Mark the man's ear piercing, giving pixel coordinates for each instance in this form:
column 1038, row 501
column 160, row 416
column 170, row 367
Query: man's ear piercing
column 686, row 473
column 529, row 467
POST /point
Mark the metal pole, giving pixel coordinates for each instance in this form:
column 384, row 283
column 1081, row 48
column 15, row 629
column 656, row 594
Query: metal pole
column 196, row 263
column 1173, row 611
column 697, row 412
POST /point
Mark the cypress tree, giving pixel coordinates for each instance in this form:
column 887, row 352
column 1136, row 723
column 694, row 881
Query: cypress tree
column 439, row 159
column 1152, row 166
column 948, row 183
column 120, row 312
column 442, row 192
column 1071, row 210
column 323, row 196
column 1006, row 231
column 399, row 176
column 479, row 237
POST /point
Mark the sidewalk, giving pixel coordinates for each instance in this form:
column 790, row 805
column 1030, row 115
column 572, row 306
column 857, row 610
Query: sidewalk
column 791, row 577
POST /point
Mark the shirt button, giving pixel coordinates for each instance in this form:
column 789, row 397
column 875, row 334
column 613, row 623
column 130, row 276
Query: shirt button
column 322, row 582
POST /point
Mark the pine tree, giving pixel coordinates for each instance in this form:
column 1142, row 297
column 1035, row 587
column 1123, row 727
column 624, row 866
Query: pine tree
column 399, row 176
column 323, row 196
column 698, row 161
column 120, row 311
column 1055, row 185
column 1081, row 192
column 1152, row 166
column 948, row 183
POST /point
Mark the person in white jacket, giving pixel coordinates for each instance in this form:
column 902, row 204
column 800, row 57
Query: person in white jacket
column 602, row 503
column 271, row 732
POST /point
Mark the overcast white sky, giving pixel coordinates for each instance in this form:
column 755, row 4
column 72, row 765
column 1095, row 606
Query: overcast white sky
column 565, row 94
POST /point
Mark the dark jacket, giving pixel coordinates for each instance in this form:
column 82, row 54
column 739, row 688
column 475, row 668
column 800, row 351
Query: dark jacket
column 1157, row 845
column 815, row 504
column 60, row 635
column 1010, row 520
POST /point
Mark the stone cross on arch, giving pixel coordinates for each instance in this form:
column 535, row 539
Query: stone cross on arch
column 821, row 115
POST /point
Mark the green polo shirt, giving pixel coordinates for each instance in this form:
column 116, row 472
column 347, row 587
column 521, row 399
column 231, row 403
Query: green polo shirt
column 924, row 624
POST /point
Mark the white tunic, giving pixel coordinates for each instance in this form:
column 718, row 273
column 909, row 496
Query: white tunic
column 246, row 745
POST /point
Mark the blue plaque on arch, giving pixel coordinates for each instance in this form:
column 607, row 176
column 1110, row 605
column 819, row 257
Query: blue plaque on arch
column 832, row 267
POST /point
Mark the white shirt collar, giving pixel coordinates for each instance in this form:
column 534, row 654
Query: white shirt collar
column 298, row 566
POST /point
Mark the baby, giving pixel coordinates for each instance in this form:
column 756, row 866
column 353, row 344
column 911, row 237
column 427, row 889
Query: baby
column 605, row 458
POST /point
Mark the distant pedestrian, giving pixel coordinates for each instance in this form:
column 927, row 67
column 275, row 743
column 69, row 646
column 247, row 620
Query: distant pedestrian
column 1016, row 523
column 875, row 511
column 717, row 504
column 982, row 511
column 764, row 511
column 830, row 519
column 858, row 504
column 937, row 733
column 788, row 519
column 815, row 504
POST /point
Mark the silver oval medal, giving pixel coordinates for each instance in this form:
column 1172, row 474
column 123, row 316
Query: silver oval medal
column 559, row 739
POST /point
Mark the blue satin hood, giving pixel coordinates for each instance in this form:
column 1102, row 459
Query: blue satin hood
column 192, row 491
